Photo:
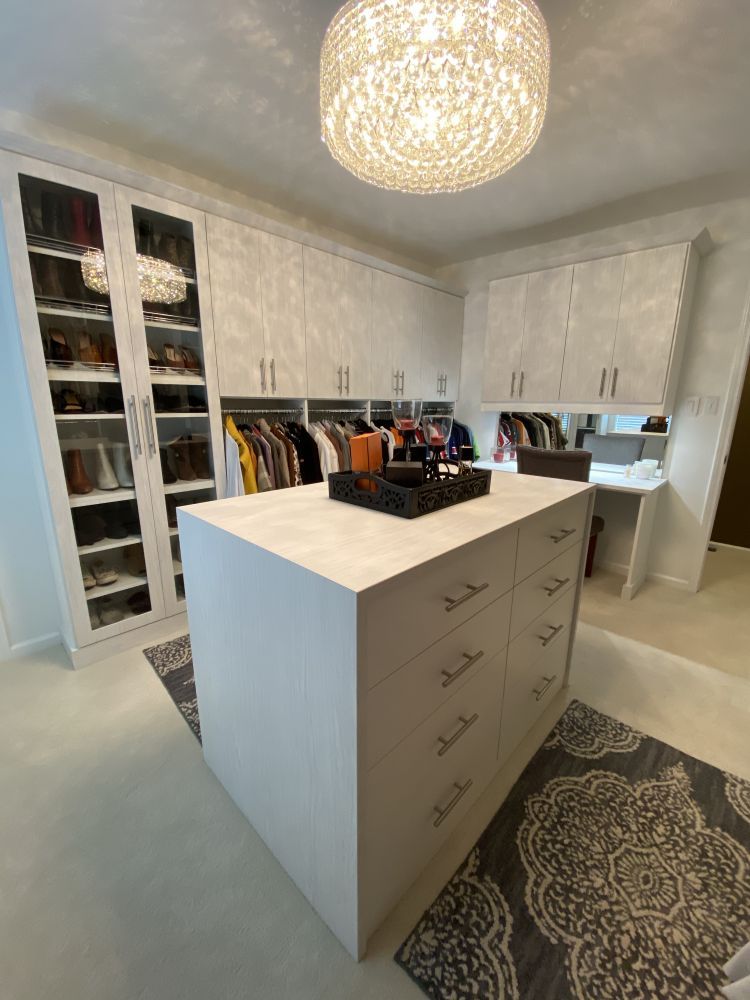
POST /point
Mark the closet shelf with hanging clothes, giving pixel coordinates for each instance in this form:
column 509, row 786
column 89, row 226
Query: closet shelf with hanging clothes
column 266, row 450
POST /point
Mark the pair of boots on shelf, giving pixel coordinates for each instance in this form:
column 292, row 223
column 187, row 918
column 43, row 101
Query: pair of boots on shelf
column 92, row 350
column 176, row 357
column 93, row 528
column 70, row 220
column 69, row 401
column 185, row 458
column 176, row 250
column 107, row 475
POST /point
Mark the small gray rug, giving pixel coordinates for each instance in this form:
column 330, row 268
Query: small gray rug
column 618, row 868
column 173, row 662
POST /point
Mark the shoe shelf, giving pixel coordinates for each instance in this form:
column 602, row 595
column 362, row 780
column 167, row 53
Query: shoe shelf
column 74, row 311
column 169, row 325
column 50, row 247
column 125, row 581
column 185, row 486
column 101, row 496
column 89, row 416
column 167, row 379
column 73, row 374
column 181, row 413
column 109, row 543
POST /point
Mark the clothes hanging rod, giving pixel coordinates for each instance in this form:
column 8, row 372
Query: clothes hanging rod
column 240, row 411
column 328, row 409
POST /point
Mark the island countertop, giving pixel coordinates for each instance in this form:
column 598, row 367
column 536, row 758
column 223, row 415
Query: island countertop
column 359, row 548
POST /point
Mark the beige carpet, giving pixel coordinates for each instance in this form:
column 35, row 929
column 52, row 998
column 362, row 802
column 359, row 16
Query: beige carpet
column 712, row 626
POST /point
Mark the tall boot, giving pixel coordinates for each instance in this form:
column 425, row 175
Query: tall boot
column 104, row 474
column 81, row 233
column 199, row 457
column 77, row 475
column 181, row 451
column 50, row 279
column 31, row 220
column 52, row 216
column 167, row 476
column 122, row 465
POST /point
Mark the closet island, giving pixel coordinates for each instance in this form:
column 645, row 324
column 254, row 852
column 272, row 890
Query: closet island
column 361, row 678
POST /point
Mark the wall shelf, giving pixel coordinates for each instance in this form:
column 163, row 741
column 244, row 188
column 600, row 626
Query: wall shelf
column 100, row 496
column 186, row 487
column 108, row 543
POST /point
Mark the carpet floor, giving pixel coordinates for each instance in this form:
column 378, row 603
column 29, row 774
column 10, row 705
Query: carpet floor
column 173, row 663
column 618, row 868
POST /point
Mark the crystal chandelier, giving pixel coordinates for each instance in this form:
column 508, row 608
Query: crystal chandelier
column 158, row 280
column 433, row 95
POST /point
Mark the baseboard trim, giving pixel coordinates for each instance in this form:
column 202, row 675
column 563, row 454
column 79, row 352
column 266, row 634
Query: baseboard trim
column 613, row 567
column 35, row 645
column 622, row 569
column 726, row 545
column 140, row 637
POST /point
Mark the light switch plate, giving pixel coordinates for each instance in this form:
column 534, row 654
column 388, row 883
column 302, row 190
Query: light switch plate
column 693, row 406
column 711, row 405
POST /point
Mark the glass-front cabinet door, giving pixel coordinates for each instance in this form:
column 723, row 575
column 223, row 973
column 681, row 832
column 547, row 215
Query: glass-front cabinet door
column 64, row 247
column 165, row 263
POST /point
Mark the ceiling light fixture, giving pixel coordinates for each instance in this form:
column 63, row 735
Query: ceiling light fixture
column 433, row 95
column 158, row 280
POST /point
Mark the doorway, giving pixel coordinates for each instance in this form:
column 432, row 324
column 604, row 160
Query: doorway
column 732, row 524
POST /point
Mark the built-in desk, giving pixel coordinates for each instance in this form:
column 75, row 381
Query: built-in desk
column 612, row 478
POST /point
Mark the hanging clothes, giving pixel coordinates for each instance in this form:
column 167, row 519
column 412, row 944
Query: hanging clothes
column 234, row 486
column 249, row 481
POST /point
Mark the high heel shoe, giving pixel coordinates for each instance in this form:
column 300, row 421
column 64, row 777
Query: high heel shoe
column 77, row 475
column 173, row 356
column 122, row 465
column 191, row 360
column 104, row 474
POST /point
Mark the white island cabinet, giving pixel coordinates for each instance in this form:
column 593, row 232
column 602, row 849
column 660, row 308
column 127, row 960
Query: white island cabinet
column 361, row 677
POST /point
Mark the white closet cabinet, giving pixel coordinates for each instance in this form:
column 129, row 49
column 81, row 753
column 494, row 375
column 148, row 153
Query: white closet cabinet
column 592, row 325
column 396, row 336
column 283, row 306
column 355, row 301
column 506, row 309
column 646, row 325
column 442, row 330
column 545, row 323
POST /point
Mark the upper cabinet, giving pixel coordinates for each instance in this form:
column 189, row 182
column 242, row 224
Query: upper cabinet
column 282, row 296
column 396, row 336
column 442, row 332
column 600, row 333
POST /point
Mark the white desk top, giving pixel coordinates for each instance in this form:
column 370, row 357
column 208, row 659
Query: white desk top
column 359, row 548
column 608, row 479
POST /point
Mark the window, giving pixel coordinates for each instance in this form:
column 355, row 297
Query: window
column 630, row 424
column 564, row 420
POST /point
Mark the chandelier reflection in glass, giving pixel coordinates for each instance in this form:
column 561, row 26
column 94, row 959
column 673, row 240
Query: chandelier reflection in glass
column 158, row 280
column 433, row 95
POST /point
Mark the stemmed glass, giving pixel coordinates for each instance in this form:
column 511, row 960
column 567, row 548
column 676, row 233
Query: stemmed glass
column 437, row 427
column 406, row 416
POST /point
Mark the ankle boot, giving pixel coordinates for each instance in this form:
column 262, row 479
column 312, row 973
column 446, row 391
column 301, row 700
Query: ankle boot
column 122, row 465
column 77, row 476
column 199, row 457
column 167, row 475
column 104, row 474
column 181, row 451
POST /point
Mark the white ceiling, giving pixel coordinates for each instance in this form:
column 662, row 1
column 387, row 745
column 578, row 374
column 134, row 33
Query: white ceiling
column 644, row 93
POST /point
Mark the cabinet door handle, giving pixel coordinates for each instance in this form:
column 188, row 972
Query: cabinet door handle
column 562, row 535
column 512, row 384
column 555, row 631
column 135, row 428
column 394, row 382
column 346, row 372
column 472, row 591
column 615, row 373
column 559, row 584
column 541, row 691
column 520, row 384
column 402, row 381
column 443, row 814
column 341, row 379
column 469, row 660
column 148, row 420
column 438, row 384
column 602, row 382
column 273, row 374
column 262, row 374
column 447, row 743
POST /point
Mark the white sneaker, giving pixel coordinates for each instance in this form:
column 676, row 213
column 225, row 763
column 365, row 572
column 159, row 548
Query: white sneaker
column 104, row 474
column 122, row 465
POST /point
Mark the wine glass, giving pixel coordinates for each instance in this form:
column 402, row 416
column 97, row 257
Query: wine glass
column 406, row 417
column 437, row 427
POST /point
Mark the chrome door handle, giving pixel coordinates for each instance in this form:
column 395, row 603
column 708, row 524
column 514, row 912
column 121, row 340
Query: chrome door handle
column 559, row 584
column 541, row 691
column 135, row 426
column 565, row 533
column 601, row 384
column 402, row 381
column 346, row 372
column 341, row 380
column 556, row 630
column 520, row 384
column 273, row 374
column 394, row 382
column 512, row 384
column 262, row 374
column 454, row 602
column 469, row 661
column 443, row 814
column 148, row 419
column 615, row 373
column 447, row 743
column 438, row 384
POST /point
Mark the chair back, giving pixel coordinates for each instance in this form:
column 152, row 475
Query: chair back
column 574, row 464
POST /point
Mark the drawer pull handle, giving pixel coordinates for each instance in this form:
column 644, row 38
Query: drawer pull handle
column 469, row 662
column 548, row 682
column 556, row 630
column 451, row 602
column 446, row 744
column 443, row 814
column 562, row 535
column 559, row 584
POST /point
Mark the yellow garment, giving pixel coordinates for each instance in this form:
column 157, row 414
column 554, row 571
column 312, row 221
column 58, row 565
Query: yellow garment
column 246, row 457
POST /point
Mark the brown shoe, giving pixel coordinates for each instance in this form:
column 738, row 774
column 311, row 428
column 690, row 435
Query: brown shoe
column 182, row 454
column 89, row 351
column 167, row 476
column 191, row 360
column 173, row 356
column 199, row 457
column 59, row 351
column 109, row 350
column 77, row 475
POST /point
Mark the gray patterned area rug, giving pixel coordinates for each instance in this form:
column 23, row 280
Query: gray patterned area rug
column 618, row 868
column 173, row 662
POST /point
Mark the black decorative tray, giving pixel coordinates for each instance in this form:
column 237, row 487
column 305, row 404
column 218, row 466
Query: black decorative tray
column 407, row 501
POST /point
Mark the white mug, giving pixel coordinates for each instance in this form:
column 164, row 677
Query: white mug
column 645, row 469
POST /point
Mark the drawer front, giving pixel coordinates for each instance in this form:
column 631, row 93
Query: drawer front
column 538, row 592
column 397, row 705
column 546, row 535
column 417, row 795
column 551, row 628
column 406, row 615
column 528, row 691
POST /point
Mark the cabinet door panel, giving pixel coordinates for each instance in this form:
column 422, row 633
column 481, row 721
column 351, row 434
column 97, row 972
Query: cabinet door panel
column 592, row 324
column 396, row 335
column 651, row 293
column 234, row 260
column 506, row 309
column 283, row 299
column 452, row 342
column 322, row 322
column 545, row 325
column 442, row 329
column 355, row 303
